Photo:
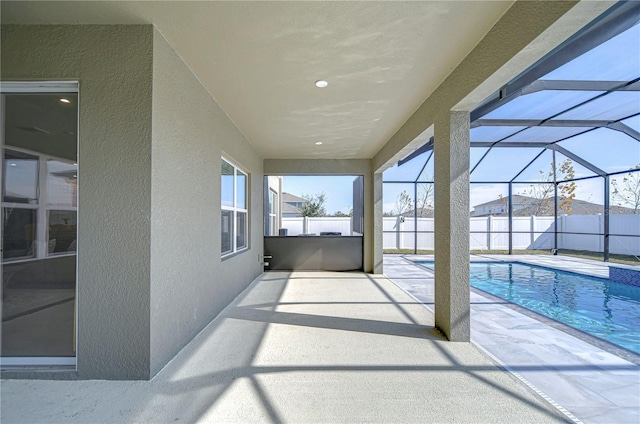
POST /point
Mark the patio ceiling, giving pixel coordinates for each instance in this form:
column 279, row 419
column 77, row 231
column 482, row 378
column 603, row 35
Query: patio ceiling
column 260, row 60
column 581, row 102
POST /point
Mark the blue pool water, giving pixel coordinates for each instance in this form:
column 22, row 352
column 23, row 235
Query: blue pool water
column 604, row 309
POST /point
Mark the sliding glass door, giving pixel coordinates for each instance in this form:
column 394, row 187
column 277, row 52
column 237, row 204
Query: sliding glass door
column 39, row 223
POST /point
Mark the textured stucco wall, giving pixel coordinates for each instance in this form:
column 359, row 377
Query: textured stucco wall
column 114, row 67
column 190, row 284
column 337, row 167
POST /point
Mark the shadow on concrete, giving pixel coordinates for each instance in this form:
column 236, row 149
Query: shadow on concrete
column 230, row 367
column 200, row 385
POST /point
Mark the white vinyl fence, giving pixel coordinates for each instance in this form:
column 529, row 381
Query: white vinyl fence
column 317, row 225
column 529, row 233
column 628, row 225
column 492, row 233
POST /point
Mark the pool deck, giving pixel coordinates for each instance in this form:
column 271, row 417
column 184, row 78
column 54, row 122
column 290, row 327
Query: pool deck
column 594, row 382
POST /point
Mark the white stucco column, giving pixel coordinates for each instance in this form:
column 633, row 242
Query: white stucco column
column 377, row 219
column 451, row 149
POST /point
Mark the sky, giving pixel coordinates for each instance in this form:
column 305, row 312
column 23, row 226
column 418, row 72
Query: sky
column 338, row 189
column 590, row 190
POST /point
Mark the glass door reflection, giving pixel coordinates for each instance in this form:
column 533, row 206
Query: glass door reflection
column 39, row 231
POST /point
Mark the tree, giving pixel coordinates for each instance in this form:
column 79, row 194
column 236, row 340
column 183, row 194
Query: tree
column 540, row 195
column 404, row 203
column 342, row 214
column 315, row 205
column 567, row 191
column 424, row 202
column 627, row 191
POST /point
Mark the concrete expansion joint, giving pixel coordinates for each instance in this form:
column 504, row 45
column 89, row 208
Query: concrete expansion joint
column 527, row 383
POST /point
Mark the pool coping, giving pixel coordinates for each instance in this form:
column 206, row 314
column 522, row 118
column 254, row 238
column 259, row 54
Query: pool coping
column 619, row 351
column 609, row 347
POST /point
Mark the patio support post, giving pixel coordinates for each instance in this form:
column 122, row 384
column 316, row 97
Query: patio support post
column 607, row 216
column 451, row 150
column 378, row 223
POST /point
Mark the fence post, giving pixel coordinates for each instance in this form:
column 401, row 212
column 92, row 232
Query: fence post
column 305, row 224
column 601, row 231
column 560, row 238
column 533, row 230
column 510, row 218
column 489, row 225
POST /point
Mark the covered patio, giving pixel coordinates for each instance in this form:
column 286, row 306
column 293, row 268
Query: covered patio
column 187, row 106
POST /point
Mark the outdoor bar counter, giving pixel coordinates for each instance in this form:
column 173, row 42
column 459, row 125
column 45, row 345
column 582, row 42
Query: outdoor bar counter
column 311, row 253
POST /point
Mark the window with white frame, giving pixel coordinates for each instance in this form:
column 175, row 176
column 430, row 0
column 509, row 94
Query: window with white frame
column 234, row 209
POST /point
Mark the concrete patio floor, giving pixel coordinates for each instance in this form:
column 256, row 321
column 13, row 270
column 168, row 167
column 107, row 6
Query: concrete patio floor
column 302, row 347
column 594, row 381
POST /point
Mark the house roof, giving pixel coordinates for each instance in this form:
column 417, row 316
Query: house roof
column 291, row 198
column 422, row 213
column 516, row 198
column 578, row 207
column 526, row 206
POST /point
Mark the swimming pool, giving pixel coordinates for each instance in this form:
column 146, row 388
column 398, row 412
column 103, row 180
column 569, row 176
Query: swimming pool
column 604, row 309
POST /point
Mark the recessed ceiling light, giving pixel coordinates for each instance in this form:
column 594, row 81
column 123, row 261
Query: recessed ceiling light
column 318, row 143
column 64, row 100
column 321, row 83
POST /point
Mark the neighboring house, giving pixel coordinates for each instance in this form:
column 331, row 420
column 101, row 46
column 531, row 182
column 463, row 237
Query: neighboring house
column 422, row 213
column 273, row 205
column 291, row 205
column 527, row 206
column 499, row 206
